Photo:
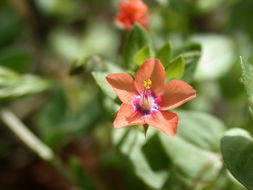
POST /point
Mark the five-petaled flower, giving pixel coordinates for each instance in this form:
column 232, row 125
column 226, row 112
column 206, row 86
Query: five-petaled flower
column 146, row 100
column 131, row 12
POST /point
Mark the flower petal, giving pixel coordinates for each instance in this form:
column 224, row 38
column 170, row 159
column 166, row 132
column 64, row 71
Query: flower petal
column 151, row 69
column 127, row 116
column 165, row 122
column 176, row 92
column 123, row 85
column 131, row 12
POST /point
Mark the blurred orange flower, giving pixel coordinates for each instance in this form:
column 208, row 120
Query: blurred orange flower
column 146, row 99
column 131, row 12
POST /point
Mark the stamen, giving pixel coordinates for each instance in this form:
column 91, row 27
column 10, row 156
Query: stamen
column 147, row 84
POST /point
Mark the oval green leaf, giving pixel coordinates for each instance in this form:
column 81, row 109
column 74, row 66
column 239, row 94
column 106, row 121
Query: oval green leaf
column 194, row 149
column 217, row 56
column 137, row 39
column 191, row 53
column 164, row 53
column 175, row 69
column 237, row 151
column 142, row 55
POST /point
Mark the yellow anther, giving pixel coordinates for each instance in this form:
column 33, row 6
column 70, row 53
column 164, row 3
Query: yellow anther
column 147, row 84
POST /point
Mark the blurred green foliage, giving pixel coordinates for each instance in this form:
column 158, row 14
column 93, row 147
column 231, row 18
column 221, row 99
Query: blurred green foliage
column 159, row 158
column 56, row 53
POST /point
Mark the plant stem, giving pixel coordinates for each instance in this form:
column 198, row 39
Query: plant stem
column 26, row 136
column 34, row 143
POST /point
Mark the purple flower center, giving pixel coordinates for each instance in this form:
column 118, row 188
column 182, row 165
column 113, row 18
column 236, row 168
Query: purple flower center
column 146, row 103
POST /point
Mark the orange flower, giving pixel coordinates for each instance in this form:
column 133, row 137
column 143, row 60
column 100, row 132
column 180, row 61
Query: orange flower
column 146, row 99
column 131, row 12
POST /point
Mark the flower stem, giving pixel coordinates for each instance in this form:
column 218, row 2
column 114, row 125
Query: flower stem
column 26, row 136
column 34, row 143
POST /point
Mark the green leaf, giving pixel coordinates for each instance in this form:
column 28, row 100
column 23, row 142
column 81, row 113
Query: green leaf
column 197, row 140
column 78, row 66
column 81, row 178
column 191, row 54
column 201, row 129
column 158, row 157
column 16, row 59
column 87, row 64
column 209, row 5
column 52, row 114
column 61, row 8
column 247, row 76
column 217, row 57
column 137, row 39
column 100, row 80
column 188, row 50
column 164, row 53
column 133, row 144
column 142, row 55
column 11, row 25
column 97, row 39
column 175, row 69
column 93, row 64
column 237, row 151
column 58, row 123
column 13, row 85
